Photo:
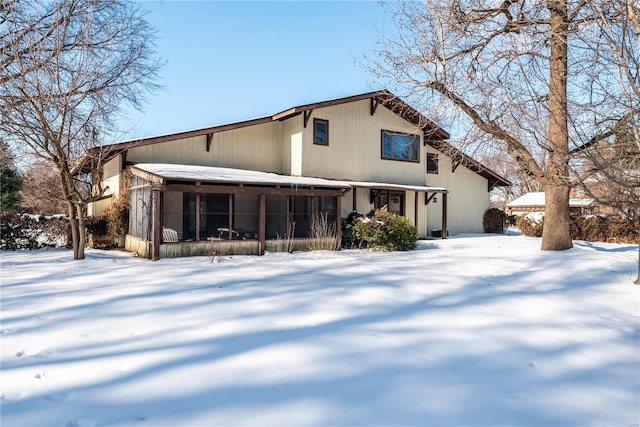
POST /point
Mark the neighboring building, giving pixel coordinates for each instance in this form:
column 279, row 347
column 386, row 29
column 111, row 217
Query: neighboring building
column 260, row 177
column 534, row 202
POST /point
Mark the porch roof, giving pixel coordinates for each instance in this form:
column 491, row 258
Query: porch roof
column 388, row 186
column 161, row 172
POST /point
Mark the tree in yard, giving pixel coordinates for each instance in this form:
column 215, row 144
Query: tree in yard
column 607, row 166
column 10, row 181
column 66, row 67
column 38, row 195
column 513, row 72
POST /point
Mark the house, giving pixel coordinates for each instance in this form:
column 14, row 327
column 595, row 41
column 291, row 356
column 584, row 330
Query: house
column 250, row 184
column 534, row 202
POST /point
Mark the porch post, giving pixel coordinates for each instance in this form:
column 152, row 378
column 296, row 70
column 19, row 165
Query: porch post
column 262, row 222
column 415, row 209
column 156, row 225
column 229, row 237
column 354, row 200
column 197, row 217
column 444, row 215
column 338, row 223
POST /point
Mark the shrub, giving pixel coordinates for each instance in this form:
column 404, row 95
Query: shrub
column 387, row 231
column 20, row 231
column 605, row 229
column 494, row 220
column 530, row 226
column 97, row 225
column 349, row 239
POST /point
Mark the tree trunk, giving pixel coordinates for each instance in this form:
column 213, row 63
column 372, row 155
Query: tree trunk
column 556, row 235
column 73, row 222
column 82, row 232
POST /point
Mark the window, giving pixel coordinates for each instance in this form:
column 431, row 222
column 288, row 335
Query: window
column 432, row 163
column 320, row 132
column 393, row 200
column 400, row 146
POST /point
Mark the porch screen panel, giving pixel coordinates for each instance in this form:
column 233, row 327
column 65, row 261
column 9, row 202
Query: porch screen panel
column 172, row 212
column 325, row 207
column 140, row 217
column 189, row 216
column 245, row 216
column 214, row 216
column 276, row 220
column 300, row 214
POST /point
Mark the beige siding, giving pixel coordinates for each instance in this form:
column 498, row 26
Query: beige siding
column 354, row 150
column 111, row 175
column 255, row 147
column 467, row 201
column 98, row 207
column 290, row 130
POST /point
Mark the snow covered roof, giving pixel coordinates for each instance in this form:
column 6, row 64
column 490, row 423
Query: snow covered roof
column 229, row 175
column 387, row 186
column 537, row 199
column 164, row 171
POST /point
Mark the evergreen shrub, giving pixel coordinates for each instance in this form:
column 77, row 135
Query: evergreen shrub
column 494, row 220
column 386, row 231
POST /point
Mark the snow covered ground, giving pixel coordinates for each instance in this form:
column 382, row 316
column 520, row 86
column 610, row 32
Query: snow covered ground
column 474, row 330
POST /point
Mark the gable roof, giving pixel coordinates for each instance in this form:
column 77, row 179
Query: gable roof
column 537, row 199
column 434, row 134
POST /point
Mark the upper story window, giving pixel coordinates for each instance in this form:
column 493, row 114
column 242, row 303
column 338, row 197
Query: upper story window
column 400, row 146
column 432, row 163
column 320, row 132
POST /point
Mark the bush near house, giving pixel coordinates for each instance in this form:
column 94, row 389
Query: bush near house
column 21, row 231
column 590, row 228
column 494, row 220
column 386, row 231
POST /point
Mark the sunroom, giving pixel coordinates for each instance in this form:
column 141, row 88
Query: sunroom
column 185, row 210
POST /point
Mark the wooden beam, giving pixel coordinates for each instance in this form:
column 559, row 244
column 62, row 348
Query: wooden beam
column 338, row 224
column 147, row 175
column 233, row 189
column 262, row 224
column 354, row 200
column 415, row 209
column 427, row 200
column 209, row 140
column 444, row 215
column 307, row 116
column 197, row 216
column 374, row 105
column 230, row 216
column 156, row 225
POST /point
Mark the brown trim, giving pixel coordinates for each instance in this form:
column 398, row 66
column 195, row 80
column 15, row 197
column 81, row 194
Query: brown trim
column 197, row 216
column 374, row 102
column 354, row 200
column 156, row 225
column 236, row 189
column 444, row 215
column 153, row 178
column 262, row 224
column 230, row 218
column 391, row 132
column 338, row 225
column 209, row 140
column 437, row 161
column 315, row 121
column 307, row 115
column 415, row 208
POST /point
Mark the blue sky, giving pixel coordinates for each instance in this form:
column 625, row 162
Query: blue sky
column 230, row 61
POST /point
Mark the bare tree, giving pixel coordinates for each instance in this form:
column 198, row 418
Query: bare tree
column 67, row 66
column 506, row 166
column 40, row 193
column 607, row 166
column 511, row 73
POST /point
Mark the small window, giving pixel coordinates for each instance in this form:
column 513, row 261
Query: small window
column 400, row 146
column 432, row 163
column 320, row 132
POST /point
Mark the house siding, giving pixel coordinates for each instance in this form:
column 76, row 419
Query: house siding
column 256, row 147
column 354, row 150
column 467, row 201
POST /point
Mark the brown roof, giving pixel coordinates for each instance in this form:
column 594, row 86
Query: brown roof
column 434, row 135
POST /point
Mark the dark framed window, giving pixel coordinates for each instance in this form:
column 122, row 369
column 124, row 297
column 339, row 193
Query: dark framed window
column 432, row 163
column 400, row 146
column 320, row 131
column 393, row 200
